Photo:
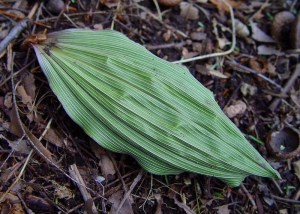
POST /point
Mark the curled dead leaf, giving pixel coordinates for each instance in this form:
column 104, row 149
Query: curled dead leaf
column 239, row 107
column 258, row 65
column 247, row 89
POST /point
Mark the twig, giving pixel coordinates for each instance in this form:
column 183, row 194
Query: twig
column 33, row 10
column 277, row 186
column 216, row 54
column 70, row 20
column 37, row 16
column 286, row 88
column 170, row 45
column 285, row 199
column 115, row 16
column 17, row 72
column 19, row 176
column 127, row 28
column 21, row 18
column 136, row 180
column 36, row 144
column 161, row 22
column 158, row 10
column 249, row 196
column 241, row 67
column 14, row 33
column 74, row 173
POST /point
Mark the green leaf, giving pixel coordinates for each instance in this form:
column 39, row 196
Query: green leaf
column 130, row 101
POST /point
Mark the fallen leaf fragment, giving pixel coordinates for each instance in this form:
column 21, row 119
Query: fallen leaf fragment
column 217, row 73
column 222, row 7
column 296, row 166
column 115, row 200
column 8, row 100
column 13, row 202
column 247, row 89
column 107, row 167
column 239, row 107
column 269, row 50
column 188, row 11
column 259, row 35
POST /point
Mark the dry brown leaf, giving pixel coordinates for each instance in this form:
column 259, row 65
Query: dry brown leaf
column 271, row 69
column 251, row 6
column 14, row 126
column 97, row 149
column 19, row 146
column 198, row 36
column 115, row 200
column 107, row 167
column 8, row 100
column 29, row 85
column 223, row 209
column 167, row 35
column 217, row 73
column 25, row 97
column 259, row 35
column 239, row 107
column 15, row 206
column 159, row 201
column 258, row 15
column 188, row 11
column 51, row 135
column 186, row 208
column 189, row 55
column 296, row 166
column 247, row 89
column 223, row 7
column 39, row 147
column 62, row 192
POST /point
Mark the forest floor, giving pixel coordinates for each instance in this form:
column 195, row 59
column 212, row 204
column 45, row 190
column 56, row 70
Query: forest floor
column 257, row 85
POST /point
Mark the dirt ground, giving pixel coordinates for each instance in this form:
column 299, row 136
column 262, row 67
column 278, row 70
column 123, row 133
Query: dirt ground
column 257, row 85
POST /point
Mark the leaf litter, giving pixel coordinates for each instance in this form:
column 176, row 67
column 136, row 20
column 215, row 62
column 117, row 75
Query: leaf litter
column 225, row 92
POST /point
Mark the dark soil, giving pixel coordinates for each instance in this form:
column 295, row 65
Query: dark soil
column 44, row 188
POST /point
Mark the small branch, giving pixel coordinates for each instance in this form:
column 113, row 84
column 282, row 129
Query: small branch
column 136, row 180
column 74, row 173
column 14, row 33
column 286, row 88
column 249, row 196
column 170, row 45
column 21, row 18
column 241, row 67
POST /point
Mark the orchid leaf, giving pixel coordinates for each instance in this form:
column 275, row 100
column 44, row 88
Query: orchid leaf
column 130, row 101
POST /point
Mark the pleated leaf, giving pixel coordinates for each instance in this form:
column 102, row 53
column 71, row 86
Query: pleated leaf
column 130, row 101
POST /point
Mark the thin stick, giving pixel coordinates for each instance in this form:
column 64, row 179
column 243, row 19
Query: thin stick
column 70, row 20
column 216, row 54
column 136, row 180
column 158, row 10
column 249, row 196
column 241, row 67
column 115, row 16
column 286, row 88
column 14, row 33
column 21, row 18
